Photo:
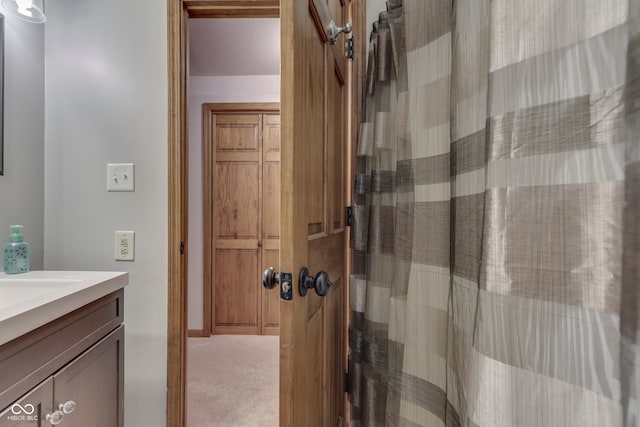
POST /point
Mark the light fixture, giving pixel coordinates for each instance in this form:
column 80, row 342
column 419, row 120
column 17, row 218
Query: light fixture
column 29, row 10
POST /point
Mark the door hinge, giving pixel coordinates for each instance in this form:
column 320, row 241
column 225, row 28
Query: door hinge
column 350, row 48
column 348, row 216
column 181, row 248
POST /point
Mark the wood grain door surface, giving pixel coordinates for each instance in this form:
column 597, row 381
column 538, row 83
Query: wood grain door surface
column 245, row 221
column 313, row 162
column 270, row 303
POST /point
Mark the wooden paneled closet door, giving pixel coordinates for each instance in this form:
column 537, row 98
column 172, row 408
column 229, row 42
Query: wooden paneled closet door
column 270, row 218
column 245, row 220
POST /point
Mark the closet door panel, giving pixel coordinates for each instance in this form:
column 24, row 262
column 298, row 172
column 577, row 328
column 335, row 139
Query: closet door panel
column 236, row 309
column 271, row 219
column 237, row 223
column 245, row 220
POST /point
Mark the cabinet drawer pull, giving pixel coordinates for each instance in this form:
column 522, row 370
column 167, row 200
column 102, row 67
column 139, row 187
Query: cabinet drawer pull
column 67, row 407
column 55, row 418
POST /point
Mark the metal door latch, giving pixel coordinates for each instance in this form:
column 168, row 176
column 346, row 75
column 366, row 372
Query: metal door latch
column 334, row 30
column 271, row 278
column 286, row 287
column 349, row 48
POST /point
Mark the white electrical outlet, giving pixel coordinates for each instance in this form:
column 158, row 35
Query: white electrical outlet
column 125, row 245
column 120, row 177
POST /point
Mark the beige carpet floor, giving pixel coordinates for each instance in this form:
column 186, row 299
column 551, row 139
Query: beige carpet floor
column 232, row 381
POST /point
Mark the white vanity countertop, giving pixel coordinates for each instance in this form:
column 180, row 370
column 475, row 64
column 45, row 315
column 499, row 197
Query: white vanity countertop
column 30, row 300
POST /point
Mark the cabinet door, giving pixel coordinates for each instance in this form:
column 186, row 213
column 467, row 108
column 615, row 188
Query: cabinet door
column 94, row 383
column 31, row 410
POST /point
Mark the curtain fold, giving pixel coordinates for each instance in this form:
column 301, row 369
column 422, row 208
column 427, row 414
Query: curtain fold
column 630, row 301
column 496, row 242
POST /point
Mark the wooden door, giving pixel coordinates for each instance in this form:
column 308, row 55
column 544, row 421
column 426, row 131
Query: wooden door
column 313, row 188
column 270, row 219
column 244, row 148
column 236, row 222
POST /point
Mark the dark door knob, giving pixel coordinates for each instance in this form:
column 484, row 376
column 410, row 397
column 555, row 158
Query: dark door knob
column 270, row 278
column 320, row 282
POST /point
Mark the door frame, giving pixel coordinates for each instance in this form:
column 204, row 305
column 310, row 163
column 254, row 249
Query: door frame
column 178, row 14
column 208, row 188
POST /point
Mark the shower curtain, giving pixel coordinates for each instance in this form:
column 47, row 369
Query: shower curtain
column 496, row 242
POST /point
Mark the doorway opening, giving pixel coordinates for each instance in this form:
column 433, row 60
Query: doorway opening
column 180, row 12
column 234, row 184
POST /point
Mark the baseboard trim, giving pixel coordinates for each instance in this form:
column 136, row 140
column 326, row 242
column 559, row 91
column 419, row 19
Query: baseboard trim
column 197, row 333
column 235, row 330
column 271, row 330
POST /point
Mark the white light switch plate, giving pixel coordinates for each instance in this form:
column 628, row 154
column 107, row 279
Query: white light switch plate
column 125, row 245
column 120, row 177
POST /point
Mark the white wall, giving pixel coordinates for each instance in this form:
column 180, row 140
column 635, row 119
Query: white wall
column 201, row 90
column 106, row 101
column 374, row 7
column 22, row 186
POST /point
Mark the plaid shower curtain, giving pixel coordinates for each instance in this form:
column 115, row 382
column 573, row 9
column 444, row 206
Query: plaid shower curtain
column 496, row 245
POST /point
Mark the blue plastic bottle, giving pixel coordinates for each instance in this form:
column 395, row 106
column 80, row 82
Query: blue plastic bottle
column 17, row 254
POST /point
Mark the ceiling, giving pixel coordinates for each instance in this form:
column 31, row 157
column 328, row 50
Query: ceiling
column 234, row 46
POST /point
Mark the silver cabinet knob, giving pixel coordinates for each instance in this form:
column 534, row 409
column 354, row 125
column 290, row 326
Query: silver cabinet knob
column 67, row 407
column 55, row 418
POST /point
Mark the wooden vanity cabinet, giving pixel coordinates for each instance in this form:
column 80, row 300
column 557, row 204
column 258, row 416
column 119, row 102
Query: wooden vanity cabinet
column 75, row 360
